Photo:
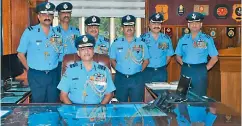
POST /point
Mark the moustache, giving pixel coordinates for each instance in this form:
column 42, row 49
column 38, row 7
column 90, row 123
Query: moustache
column 47, row 20
column 129, row 30
column 66, row 17
column 156, row 28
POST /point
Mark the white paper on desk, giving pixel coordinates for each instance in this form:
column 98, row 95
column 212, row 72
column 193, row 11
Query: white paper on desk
column 161, row 85
column 4, row 112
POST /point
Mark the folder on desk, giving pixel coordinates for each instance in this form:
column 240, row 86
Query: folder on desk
column 161, row 86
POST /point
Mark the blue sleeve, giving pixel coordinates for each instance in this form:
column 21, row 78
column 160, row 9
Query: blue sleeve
column 64, row 84
column 170, row 50
column 110, row 84
column 179, row 48
column 212, row 51
column 146, row 55
column 24, row 42
column 113, row 51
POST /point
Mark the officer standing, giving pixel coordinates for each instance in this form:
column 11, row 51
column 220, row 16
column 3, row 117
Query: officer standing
column 92, row 27
column 86, row 82
column 192, row 52
column 68, row 32
column 129, row 56
column 42, row 45
column 160, row 50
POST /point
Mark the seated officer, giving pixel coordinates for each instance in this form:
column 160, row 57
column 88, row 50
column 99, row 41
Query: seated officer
column 92, row 28
column 160, row 49
column 85, row 81
column 129, row 56
column 42, row 45
column 192, row 53
column 68, row 32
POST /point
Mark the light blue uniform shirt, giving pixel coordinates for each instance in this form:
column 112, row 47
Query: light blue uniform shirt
column 42, row 50
column 196, row 51
column 102, row 45
column 129, row 56
column 86, row 87
column 68, row 36
column 158, row 49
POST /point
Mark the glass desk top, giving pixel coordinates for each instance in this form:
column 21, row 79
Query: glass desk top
column 118, row 114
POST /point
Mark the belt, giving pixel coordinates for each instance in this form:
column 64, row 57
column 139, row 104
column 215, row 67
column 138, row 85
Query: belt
column 155, row 69
column 44, row 71
column 193, row 65
column 126, row 75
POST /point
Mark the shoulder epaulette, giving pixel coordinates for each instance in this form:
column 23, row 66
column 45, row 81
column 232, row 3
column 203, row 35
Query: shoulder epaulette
column 206, row 35
column 30, row 28
column 143, row 39
column 101, row 67
column 106, row 39
column 115, row 40
column 185, row 35
column 143, row 35
column 59, row 29
column 166, row 36
column 73, row 65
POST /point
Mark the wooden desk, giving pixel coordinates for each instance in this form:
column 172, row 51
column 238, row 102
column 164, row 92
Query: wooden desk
column 230, row 70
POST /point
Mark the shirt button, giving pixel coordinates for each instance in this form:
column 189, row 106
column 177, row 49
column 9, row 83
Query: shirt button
column 129, row 68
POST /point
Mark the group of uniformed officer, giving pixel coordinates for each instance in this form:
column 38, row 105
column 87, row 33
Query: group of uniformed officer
column 136, row 60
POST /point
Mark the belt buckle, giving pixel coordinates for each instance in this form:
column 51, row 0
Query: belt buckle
column 155, row 69
column 127, row 76
column 188, row 65
column 47, row 71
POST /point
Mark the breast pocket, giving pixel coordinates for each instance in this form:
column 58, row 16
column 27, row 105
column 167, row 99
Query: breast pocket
column 74, row 89
column 120, row 54
column 184, row 48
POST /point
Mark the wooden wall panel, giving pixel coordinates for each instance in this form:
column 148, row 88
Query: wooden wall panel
column 6, row 22
column 231, row 89
column 20, row 21
column 214, row 82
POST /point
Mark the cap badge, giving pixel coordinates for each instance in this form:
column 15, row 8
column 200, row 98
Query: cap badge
column 193, row 16
column 94, row 19
column 65, row 6
column 47, row 6
column 128, row 17
column 157, row 16
column 85, row 39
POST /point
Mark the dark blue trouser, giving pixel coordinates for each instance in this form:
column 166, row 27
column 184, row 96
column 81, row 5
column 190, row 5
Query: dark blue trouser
column 58, row 71
column 155, row 74
column 129, row 86
column 43, row 85
column 198, row 74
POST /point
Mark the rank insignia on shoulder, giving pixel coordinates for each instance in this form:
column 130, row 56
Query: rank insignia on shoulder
column 101, row 67
column 115, row 40
column 76, row 78
column 143, row 35
column 30, row 28
column 106, row 39
column 73, row 65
